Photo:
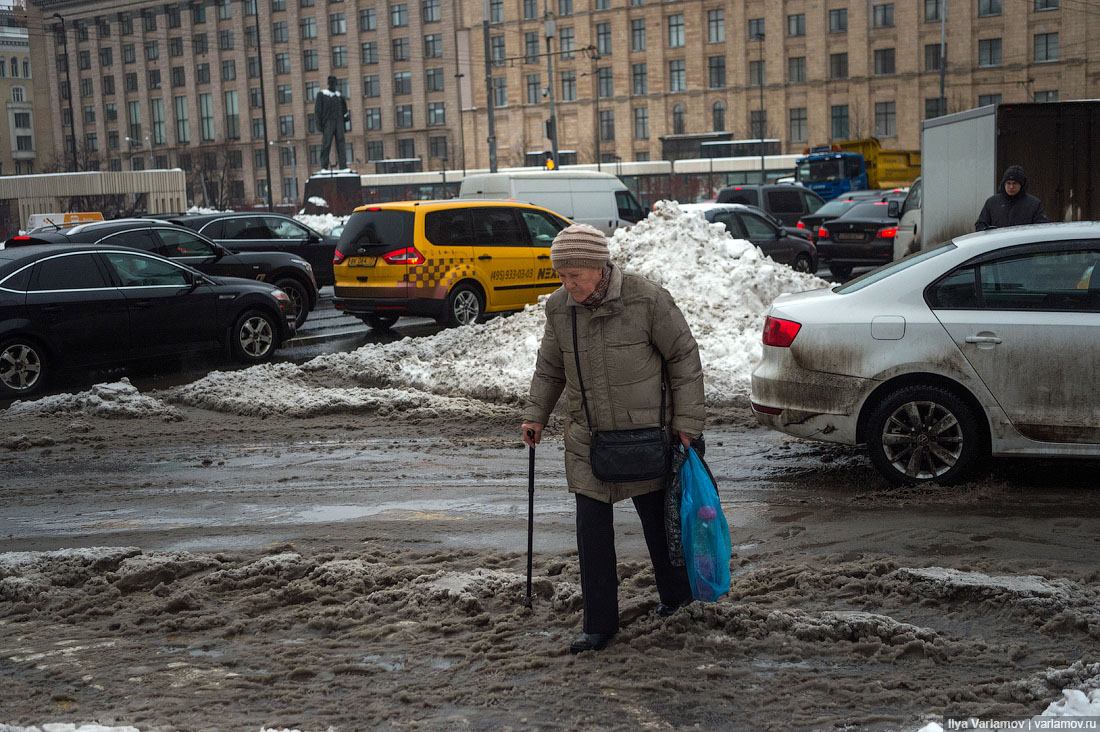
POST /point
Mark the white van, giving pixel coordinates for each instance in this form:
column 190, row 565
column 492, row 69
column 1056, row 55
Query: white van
column 582, row 196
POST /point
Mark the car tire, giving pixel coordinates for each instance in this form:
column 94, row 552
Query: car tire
column 299, row 299
column 380, row 322
column 841, row 271
column 924, row 434
column 23, row 367
column 254, row 337
column 465, row 306
column 803, row 263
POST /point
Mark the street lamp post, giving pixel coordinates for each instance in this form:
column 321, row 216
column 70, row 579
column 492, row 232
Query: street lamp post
column 760, row 131
column 551, row 30
column 263, row 106
column 69, row 84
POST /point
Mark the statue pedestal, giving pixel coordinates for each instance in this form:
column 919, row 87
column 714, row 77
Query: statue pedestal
column 332, row 191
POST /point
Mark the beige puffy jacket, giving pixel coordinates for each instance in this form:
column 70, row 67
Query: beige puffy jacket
column 621, row 343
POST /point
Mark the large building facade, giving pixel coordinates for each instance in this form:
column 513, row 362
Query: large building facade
column 192, row 84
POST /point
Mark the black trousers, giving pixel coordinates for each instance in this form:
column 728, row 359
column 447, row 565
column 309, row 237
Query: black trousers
column 596, row 546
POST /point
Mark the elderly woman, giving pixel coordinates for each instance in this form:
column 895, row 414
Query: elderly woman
column 630, row 337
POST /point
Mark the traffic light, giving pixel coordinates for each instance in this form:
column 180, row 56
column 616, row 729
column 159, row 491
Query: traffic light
column 549, row 125
column 549, row 162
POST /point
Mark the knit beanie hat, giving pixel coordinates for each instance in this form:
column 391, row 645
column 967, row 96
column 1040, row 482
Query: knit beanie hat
column 579, row 245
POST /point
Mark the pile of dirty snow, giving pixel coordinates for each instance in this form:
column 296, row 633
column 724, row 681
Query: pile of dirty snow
column 723, row 286
column 321, row 223
column 120, row 399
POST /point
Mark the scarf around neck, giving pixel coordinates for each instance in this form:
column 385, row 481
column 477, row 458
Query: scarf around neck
column 598, row 295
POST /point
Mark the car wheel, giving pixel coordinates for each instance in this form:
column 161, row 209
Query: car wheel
column 22, row 367
column 464, row 306
column 380, row 322
column 299, row 299
column 921, row 434
column 253, row 337
column 841, row 271
column 803, row 263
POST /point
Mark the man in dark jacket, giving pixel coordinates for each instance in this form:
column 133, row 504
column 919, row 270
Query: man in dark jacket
column 1012, row 206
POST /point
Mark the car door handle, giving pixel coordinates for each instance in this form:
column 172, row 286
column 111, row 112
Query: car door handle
column 142, row 303
column 544, row 256
column 486, row 256
column 983, row 339
column 51, row 309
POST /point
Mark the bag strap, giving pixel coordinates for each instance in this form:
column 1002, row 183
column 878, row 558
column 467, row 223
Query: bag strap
column 584, row 399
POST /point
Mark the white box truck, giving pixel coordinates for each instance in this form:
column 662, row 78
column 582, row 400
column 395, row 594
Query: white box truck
column 965, row 154
column 582, row 196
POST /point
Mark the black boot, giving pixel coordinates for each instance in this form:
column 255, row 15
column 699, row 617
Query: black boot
column 590, row 642
column 665, row 610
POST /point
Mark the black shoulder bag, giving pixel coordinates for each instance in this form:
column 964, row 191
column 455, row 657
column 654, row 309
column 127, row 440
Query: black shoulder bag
column 625, row 456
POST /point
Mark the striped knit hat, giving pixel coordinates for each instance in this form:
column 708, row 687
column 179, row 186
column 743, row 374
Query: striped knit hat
column 579, row 245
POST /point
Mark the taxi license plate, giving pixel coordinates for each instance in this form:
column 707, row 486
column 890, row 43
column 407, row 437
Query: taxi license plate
column 362, row 261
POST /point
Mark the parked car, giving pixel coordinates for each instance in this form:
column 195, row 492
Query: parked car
column 91, row 305
column 811, row 223
column 979, row 346
column 777, row 223
column 289, row 273
column 907, row 240
column 747, row 222
column 266, row 232
column 451, row 260
column 786, row 202
column 862, row 235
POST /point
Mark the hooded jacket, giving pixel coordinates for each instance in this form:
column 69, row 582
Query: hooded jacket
column 1002, row 210
column 620, row 342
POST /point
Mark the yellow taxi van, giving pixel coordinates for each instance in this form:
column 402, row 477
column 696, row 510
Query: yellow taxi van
column 454, row 260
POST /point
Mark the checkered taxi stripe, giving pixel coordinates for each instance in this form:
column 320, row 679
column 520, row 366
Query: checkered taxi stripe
column 440, row 272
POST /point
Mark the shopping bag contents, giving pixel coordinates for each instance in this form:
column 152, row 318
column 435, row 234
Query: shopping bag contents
column 706, row 536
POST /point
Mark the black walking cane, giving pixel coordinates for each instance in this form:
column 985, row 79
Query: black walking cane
column 530, row 510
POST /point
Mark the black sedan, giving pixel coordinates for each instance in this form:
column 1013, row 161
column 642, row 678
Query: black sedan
column 266, row 232
column 812, row 222
column 88, row 306
column 289, row 273
column 863, row 235
column 748, row 222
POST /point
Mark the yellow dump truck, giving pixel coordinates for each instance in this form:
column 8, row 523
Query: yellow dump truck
column 856, row 165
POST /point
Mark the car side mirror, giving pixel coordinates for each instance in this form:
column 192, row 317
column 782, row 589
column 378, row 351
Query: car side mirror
column 782, row 232
column 315, row 238
column 220, row 251
column 893, row 209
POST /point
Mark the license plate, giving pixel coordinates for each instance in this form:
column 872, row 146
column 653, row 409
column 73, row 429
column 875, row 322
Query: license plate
column 362, row 261
column 846, row 236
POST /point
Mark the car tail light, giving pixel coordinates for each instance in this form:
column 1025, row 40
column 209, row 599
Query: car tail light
column 765, row 410
column 822, row 233
column 338, row 257
column 779, row 332
column 800, row 225
column 887, row 232
column 408, row 255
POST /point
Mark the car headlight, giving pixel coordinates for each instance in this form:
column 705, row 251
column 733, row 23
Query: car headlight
column 305, row 264
column 280, row 295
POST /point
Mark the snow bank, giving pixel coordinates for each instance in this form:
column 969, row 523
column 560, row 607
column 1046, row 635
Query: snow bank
column 723, row 285
column 120, row 399
column 322, row 223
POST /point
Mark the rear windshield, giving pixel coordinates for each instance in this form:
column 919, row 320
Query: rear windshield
column 893, row 268
column 835, row 208
column 868, row 210
column 376, row 232
column 739, row 195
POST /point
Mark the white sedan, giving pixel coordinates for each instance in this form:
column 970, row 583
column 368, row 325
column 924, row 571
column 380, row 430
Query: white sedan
column 988, row 344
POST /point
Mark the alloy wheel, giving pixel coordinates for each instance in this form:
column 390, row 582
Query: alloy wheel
column 922, row 439
column 20, row 367
column 466, row 307
column 256, row 336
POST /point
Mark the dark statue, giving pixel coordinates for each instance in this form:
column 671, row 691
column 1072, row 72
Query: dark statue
column 331, row 111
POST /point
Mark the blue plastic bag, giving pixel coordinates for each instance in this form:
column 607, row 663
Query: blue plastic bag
column 706, row 534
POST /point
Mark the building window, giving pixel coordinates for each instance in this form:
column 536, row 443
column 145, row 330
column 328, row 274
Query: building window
column 884, row 62
column 406, row 148
column 756, row 29
column 437, row 147
column 604, row 83
column 84, row 60
column 89, row 116
column 225, row 40
column 796, row 69
column 375, row 150
column 402, row 82
column 179, row 77
column 989, row 52
column 175, row 47
column 229, row 70
column 1047, row 96
column 290, row 189
column 106, row 56
column 284, row 93
column 373, row 118
column 399, row 15
column 368, row 21
column 886, row 119
column 23, row 119
column 311, row 60
column 1046, row 47
column 932, row 56
column 369, row 52
column 718, row 116
column 716, row 71
column 607, row 125
column 282, row 63
column 437, row 113
column 565, row 7
column 566, row 44
column 838, row 66
column 255, row 101
column 86, row 89
column 838, row 115
column 530, row 9
column 496, row 11
column 253, row 67
column 757, row 73
column 716, row 26
column 1046, row 5
column 637, row 34
column 534, row 88
column 129, row 55
column 796, row 25
column 108, row 85
column 641, row 123
column 130, row 81
column 603, row 39
column 987, row 99
column 280, row 32
column 531, row 47
column 758, row 124
column 312, row 87
column 933, row 11
column 257, row 128
column 337, row 24
column 430, row 11
column 400, row 49
column 183, row 126
column 339, row 57
column 500, row 92
column 933, row 107
column 286, row 125
column 403, row 115
column 149, row 20
column 883, row 15
column 206, row 117
column 569, row 86
column 154, row 79
column 434, row 80
column 838, row 20
column 639, row 76
column 225, row 10
column 798, row 127
column 157, row 114
column 678, row 119
column 677, row 76
column 372, row 87
column 987, row 8
column 675, row 31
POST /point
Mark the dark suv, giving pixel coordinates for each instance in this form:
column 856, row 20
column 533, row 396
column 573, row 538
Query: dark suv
column 266, row 232
column 784, row 201
column 289, row 273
